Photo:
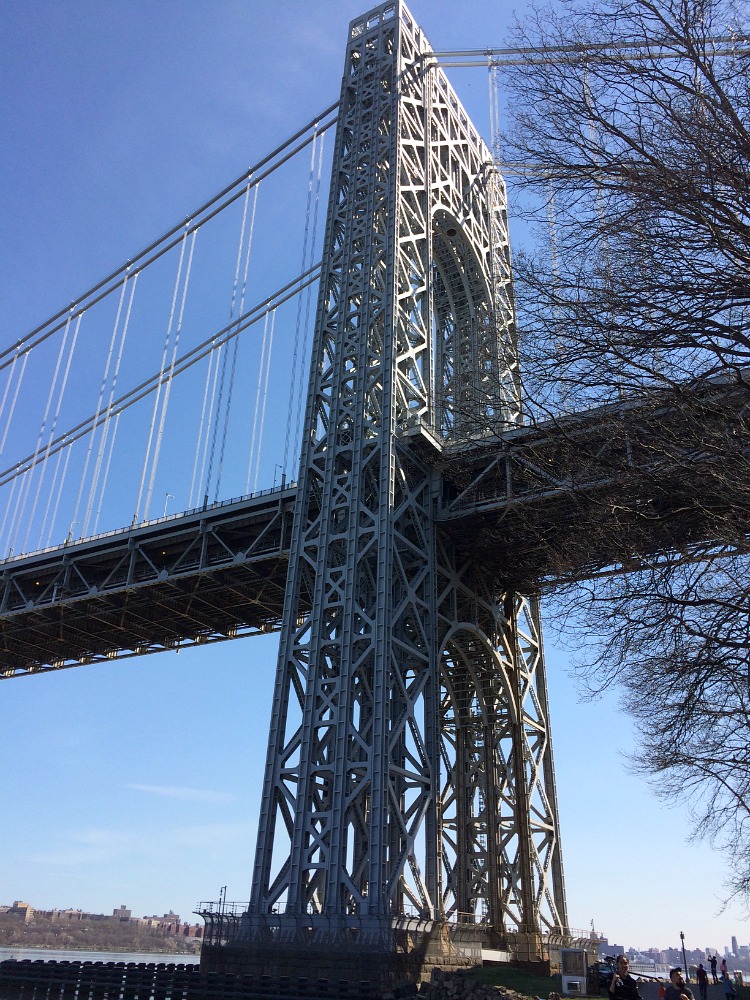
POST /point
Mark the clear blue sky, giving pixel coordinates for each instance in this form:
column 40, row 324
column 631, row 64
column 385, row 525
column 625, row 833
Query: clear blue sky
column 138, row 782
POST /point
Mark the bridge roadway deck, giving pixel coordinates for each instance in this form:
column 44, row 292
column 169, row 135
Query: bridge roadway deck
column 206, row 575
column 609, row 489
column 598, row 491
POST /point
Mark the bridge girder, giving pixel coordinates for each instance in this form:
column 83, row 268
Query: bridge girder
column 206, row 576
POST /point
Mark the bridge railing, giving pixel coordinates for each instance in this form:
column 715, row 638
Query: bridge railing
column 137, row 526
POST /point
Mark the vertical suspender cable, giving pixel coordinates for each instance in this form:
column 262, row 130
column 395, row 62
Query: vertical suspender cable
column 108, row 421
column 32, row 470
column 28, row 479
column 219, row 400
column 265, row 398
column 235, row 285
column 98, row 410
column 243, row 289
column 168, row 389
column 299, row 382
column 215, row 421
column 8, row 509
column 15, row 395
column 8, row 383
column 58, row 492
column 254, row 429
column 298, row 324
column 17, row 515
column 61, row 392
column 197, row 476
column 157, row 398
column 113, row 438
column 99, row 407
column 494, row 101
column 596, row 142
column 51, row 493
column 209, row 425
column 53, row 427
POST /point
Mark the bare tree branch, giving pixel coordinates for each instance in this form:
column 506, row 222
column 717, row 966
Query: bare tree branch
column 638, row 185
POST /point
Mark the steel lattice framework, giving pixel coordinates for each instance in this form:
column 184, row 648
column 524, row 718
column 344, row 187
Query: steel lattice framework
column 409, row 768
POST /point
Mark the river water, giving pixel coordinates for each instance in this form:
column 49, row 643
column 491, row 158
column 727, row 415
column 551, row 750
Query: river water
column 59, row 955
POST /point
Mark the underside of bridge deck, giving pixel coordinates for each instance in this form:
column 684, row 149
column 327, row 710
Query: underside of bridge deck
column 606, row 490
column 203, row 577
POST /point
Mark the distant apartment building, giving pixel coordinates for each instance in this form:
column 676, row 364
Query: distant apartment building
column 169, row 924
column 24, row 911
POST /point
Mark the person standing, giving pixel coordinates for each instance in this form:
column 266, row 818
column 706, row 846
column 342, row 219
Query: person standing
column 712, row 963
column 724, row 969
column 728, row 985
column 702, row 981
column 622, row 985
column 677, row 990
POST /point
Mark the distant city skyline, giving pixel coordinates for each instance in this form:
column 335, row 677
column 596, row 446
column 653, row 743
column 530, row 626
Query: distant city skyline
column 673, row 956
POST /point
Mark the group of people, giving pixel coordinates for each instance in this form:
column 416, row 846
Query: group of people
column 726, row 982
column 624, row 987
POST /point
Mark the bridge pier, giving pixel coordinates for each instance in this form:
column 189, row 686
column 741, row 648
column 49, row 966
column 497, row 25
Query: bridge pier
column 382, row 954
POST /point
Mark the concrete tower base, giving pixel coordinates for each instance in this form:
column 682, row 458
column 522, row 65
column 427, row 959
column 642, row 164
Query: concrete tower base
column 417, row 952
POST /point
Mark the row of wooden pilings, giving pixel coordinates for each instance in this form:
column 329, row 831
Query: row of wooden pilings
column 40, row 980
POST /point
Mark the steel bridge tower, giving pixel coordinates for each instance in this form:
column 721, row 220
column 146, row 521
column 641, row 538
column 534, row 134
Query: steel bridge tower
column 409, row 781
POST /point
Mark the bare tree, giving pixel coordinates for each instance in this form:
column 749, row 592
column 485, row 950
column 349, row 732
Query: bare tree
column 632, row 122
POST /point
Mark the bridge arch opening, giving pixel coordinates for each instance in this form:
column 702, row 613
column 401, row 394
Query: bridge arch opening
column 461, row 317
column 478, row 833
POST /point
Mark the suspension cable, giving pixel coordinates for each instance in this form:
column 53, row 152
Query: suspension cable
column 301, row 383
column 295, row 353
column 203, row 433
column 53, row 383
column 112, row 440
column 220, row 397
column 209, row 210
column 8, row 508
column 253, row 426
column 26, row 485
column 48, row 505
column 192, row 357
column 99, row 403
column 263, row 396
column 220, row 468
column 8, row 382
column 58, row 494
column 530, row 56
column 108, row 413
column 219, row 357
column 15, row 394
column 53, row 428
column 160, row 379
column 170, row 375
column 494, row 103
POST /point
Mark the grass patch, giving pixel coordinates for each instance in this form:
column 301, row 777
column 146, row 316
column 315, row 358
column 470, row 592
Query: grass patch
column 518, row 980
